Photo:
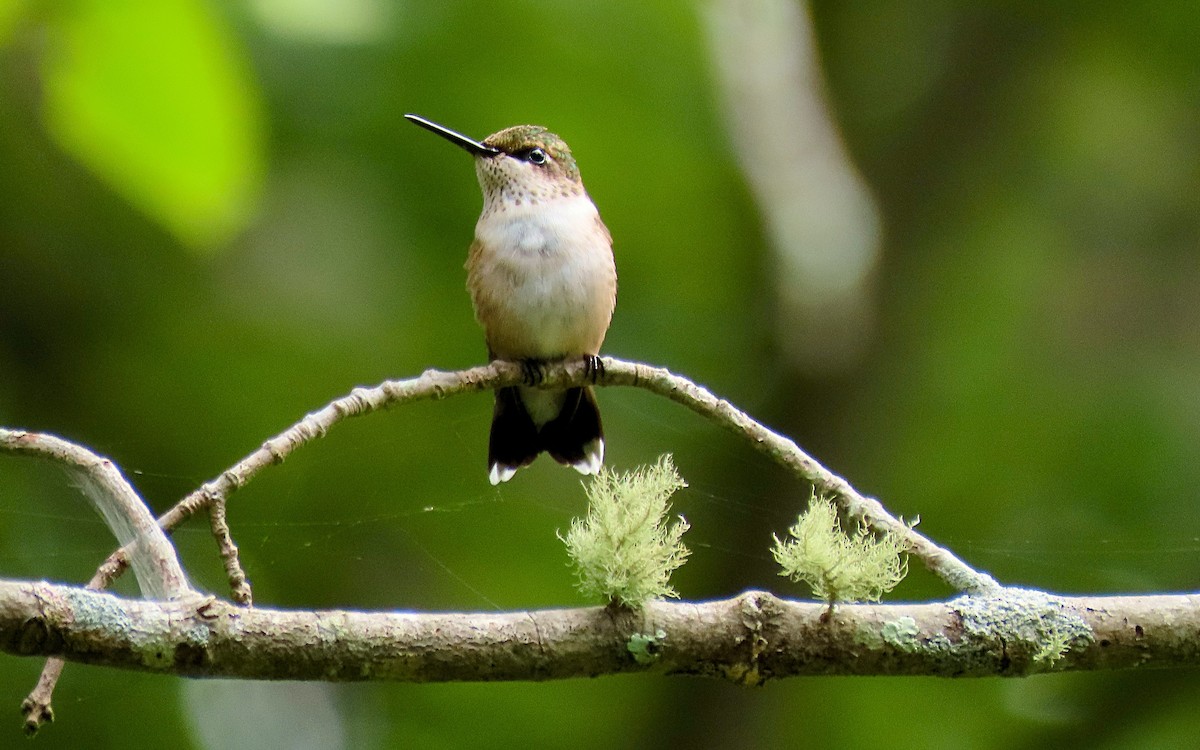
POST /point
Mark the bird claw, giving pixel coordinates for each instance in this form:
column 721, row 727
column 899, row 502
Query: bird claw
column 532, row 372
column 593, row 367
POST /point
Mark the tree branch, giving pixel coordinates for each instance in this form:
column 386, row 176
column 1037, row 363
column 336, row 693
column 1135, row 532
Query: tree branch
column 440, row 384
column 747, row 639
column 213, row 495
column 155, row 563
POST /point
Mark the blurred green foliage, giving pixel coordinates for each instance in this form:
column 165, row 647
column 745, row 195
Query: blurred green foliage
column 158, row 100
column 1032, row 389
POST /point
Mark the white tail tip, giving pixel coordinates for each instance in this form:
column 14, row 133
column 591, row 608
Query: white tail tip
column 498, row 473
column 593, row 458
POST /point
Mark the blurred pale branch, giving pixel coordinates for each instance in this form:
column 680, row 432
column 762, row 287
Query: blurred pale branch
column 818, row 213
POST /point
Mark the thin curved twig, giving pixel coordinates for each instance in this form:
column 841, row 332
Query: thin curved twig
column 440, row 384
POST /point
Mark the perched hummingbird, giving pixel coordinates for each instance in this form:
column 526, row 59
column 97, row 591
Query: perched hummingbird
column 544, row 285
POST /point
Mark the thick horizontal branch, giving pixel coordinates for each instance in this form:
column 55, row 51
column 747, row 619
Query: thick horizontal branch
column 748, row 639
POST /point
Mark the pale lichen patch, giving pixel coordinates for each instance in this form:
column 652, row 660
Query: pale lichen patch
column 1035, row 628
column 902, row 633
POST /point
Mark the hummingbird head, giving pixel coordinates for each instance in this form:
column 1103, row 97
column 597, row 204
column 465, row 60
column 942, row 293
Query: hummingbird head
column 532, row 158
column 524, row 163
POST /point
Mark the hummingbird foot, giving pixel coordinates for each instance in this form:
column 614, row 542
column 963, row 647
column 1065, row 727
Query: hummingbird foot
column 532, row 372
column 593, row 367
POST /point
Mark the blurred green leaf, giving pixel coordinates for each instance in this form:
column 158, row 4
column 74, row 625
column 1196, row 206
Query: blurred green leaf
column 10, row 13
column 155, row 96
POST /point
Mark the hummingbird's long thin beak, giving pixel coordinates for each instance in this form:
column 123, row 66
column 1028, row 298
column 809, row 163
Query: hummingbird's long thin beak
column 470, row 144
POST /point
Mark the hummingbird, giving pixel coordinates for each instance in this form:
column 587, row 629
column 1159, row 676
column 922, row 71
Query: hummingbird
column 544, row 285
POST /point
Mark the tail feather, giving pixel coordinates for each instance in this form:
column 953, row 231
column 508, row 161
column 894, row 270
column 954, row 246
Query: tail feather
column 514, row 441
column 573, row 436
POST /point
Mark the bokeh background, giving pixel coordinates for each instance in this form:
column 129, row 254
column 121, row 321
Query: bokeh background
column 951, row 248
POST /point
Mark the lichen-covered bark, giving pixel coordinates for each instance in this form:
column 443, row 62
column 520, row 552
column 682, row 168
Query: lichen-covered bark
column 749, row 639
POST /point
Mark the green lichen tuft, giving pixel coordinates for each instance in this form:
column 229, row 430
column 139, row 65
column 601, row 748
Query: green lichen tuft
column 840, row 567
column 625, row 550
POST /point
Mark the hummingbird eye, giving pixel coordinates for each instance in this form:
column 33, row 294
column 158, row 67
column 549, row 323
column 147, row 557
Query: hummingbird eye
column 536, row 155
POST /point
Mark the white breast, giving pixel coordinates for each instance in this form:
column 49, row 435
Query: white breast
column 544, row 283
